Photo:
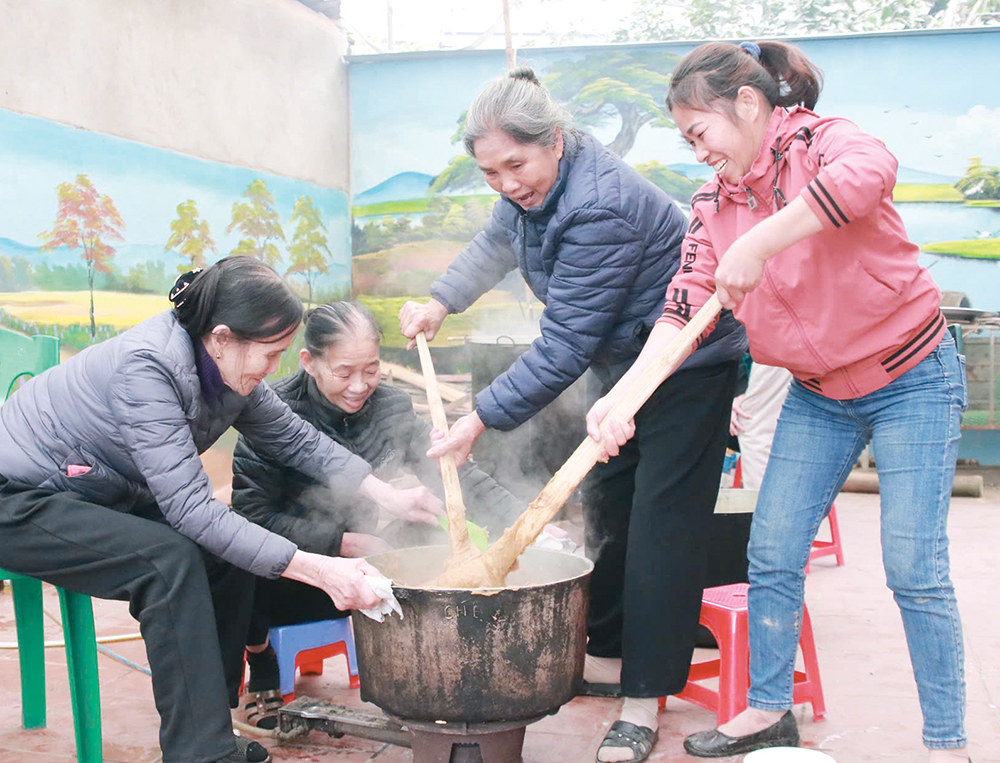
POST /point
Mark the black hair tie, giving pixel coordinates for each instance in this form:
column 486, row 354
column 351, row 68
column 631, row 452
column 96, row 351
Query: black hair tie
column 180, row 285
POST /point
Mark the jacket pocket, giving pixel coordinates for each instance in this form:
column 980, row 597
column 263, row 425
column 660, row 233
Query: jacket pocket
column 97, row 483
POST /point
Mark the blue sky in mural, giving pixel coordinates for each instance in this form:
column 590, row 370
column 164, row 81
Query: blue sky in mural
column 146, row 185
column 918, row 93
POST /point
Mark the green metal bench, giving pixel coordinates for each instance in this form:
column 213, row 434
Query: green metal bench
column 21, row 358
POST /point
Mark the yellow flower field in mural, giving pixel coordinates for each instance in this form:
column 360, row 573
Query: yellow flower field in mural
column 63, row 308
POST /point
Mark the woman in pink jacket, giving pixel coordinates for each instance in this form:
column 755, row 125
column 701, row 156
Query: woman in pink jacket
column 798, row 235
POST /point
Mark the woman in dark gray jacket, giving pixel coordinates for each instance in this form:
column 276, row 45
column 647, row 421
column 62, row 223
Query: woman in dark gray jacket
column 102, row 490
column 339, row 391
column 598, row 244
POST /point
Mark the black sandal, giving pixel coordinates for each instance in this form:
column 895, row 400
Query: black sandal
column 640, row 739
column 262, row 708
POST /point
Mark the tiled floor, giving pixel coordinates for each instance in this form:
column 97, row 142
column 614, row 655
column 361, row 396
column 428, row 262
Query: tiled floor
column 872, row 711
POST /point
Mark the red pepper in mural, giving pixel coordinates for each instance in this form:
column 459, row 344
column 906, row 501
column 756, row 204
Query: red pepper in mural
column 85, row 220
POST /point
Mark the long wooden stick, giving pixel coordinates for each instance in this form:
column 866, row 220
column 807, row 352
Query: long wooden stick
column 458, row 531
column 491, row 569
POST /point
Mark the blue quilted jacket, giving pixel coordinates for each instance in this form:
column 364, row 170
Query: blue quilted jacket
column 132, row 412
column 598, row 253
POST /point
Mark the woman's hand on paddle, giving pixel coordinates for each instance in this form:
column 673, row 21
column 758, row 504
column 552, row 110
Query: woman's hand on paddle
column 615, row 433
column 460, row 438
column 740, row 270
column 342, row 579
column 415, row 317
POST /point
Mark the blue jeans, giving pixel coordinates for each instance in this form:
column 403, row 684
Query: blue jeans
column 913, row 424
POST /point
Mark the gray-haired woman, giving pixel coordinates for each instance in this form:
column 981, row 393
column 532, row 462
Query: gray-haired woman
column 339, row 390
column 597, row 244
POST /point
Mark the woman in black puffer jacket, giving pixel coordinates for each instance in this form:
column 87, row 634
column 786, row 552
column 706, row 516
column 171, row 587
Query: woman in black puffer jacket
column 338, row 391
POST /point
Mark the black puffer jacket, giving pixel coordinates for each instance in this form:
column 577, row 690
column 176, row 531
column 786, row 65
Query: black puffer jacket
column 386, row 433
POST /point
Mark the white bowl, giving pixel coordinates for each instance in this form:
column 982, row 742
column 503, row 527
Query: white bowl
column 787, row 755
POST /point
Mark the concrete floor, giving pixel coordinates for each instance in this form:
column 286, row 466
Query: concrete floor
column 872, row 710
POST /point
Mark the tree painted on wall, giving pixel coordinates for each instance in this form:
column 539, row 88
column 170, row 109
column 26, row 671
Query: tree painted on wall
column 630, row 86
column 257, row 220
column 190, row 236
column 85, row 220
column 462, row 172
column 309, row 250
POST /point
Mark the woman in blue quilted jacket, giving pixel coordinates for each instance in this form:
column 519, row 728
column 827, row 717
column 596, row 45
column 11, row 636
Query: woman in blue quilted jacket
column 597, row 244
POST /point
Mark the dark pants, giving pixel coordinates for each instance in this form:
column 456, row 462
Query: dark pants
column 287, row 602
column 649, row 514
column 170, row 584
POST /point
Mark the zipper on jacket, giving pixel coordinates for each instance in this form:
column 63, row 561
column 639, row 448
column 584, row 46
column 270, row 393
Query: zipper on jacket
column 798, row 324
column 751, row 201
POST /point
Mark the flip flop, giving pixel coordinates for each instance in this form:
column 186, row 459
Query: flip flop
column 262, row 709
column 639, row 739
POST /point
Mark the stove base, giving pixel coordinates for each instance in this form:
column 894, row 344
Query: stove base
column 499, row 742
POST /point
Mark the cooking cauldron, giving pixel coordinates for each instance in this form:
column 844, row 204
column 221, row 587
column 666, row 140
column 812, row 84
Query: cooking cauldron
column 478, row 656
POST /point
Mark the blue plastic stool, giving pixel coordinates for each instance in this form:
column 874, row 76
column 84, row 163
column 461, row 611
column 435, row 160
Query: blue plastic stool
column 306, row 645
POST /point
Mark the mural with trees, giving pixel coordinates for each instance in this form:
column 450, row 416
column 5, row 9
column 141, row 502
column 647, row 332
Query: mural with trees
column 133, row 218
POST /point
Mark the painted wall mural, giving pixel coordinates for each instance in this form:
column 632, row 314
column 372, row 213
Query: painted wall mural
column 94, row 229
column 418, row 199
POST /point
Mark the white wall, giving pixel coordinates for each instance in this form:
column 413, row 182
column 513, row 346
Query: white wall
column 257, row 83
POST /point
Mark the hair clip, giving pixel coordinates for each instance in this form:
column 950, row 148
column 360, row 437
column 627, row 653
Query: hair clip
column 180, row 284
column 752, row 49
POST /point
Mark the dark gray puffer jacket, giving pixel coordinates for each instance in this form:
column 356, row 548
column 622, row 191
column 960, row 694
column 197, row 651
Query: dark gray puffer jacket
column 132, row 413
column 386, row 433
column 598, row 253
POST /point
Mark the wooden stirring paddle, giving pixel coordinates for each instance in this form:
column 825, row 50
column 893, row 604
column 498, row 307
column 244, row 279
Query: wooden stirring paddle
column 462, row 550
column 490, row 569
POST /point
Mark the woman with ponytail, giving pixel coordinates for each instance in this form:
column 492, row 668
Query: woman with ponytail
column 102, row 490
column 597, row 244
column 798, row 236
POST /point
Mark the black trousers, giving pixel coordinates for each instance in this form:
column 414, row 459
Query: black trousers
column 287, row 602
column 172, row 587
column 648, row 515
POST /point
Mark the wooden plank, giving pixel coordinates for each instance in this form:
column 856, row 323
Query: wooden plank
column 448, row 392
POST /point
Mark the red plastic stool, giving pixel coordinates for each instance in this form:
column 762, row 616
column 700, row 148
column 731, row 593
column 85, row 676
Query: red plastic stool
column 724, row 613
column 306, row 645
column 828, row 547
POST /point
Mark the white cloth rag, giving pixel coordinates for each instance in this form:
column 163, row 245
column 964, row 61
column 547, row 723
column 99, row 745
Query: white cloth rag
column 549, row 541
column 388, row 604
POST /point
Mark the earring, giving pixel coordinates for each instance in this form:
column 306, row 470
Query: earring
column 218, row 356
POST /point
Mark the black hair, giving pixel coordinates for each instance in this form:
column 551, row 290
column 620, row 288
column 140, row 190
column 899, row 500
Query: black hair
column 330, row 324
column 240, row 292
column 713, row 73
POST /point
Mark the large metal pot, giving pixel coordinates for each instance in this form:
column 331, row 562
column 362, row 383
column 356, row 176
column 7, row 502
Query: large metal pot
column 485, row 655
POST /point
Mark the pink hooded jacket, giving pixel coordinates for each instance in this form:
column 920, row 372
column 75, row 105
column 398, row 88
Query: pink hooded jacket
column 846, row 310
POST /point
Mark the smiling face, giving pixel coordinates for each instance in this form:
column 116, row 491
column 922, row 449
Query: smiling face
column 347, row 373
column 729, row 144
column 523, row 172
column 243, row 364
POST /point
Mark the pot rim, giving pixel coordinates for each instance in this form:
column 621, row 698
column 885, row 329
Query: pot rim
column 588, row 568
